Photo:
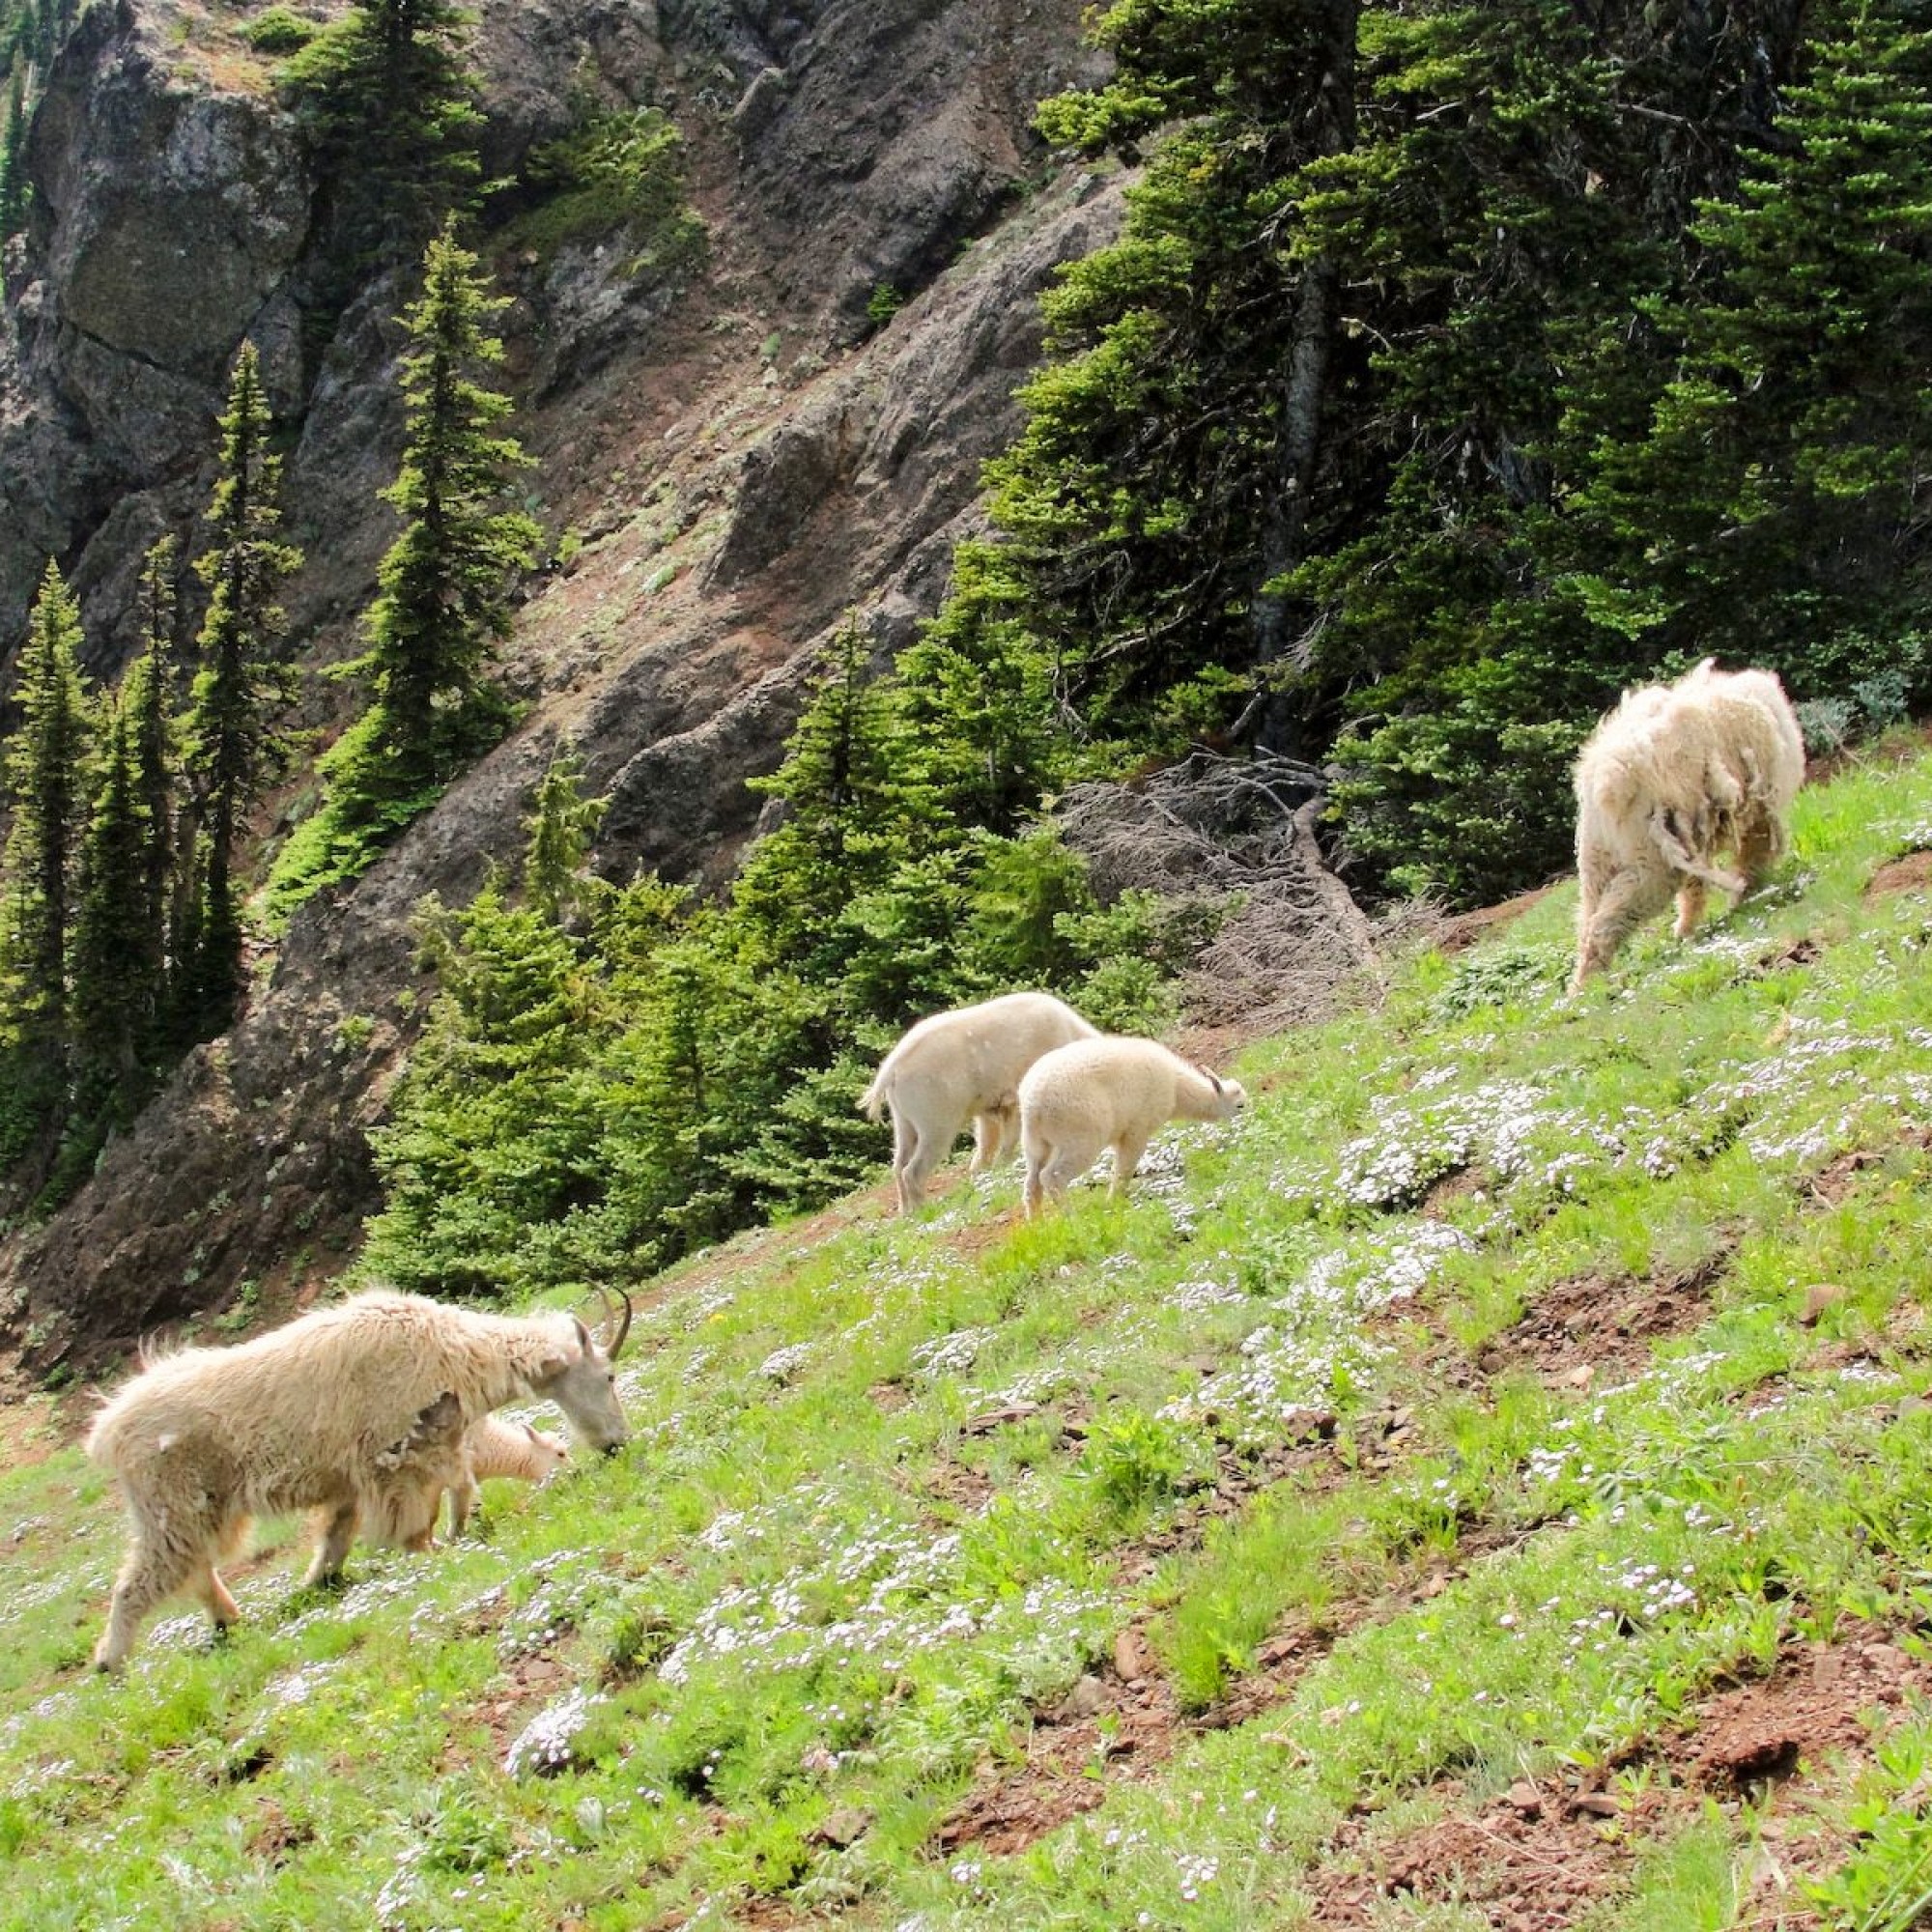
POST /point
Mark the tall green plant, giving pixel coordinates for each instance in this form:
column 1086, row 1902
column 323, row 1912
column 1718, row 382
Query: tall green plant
column 45, row 774
column 1777, row 499
column 391, row 107
column 118, row 938
column 236, row 741
column 442, row 602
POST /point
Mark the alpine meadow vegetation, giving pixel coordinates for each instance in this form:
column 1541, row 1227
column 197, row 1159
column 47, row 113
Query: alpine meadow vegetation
column 1492, row 1439
column 1494, row 1467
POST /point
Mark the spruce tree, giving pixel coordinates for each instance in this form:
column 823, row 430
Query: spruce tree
column 443, row 585
column 44, row 771
column 234, row 741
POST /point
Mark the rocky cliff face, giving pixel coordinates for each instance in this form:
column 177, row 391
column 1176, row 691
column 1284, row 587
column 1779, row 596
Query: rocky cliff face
column 744, row 461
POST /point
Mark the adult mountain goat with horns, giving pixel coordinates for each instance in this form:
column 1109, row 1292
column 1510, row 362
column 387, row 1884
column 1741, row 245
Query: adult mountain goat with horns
column 323, row 1414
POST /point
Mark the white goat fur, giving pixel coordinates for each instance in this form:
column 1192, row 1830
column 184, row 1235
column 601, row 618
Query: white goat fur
column 1109, row 1092
column 959, row 1067
column 340, row 1412
column 459, row 1461
column 1676, row 776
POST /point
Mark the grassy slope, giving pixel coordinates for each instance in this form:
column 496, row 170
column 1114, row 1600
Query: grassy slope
column 1454, row 1426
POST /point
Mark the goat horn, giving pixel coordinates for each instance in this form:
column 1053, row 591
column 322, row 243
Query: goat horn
column 623, row 1329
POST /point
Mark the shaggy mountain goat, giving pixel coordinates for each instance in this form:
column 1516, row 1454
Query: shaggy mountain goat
column 1675, row 776
column 338, row 1411
column 959, row 1066
column 1108, row 1092
column 440, row 1455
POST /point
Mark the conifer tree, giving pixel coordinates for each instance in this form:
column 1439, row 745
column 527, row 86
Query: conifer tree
column 117, row 939
column 44, row 771
column 149, row 698
column 12, row 160
column 443, row 597
column 845, row 823
column 1779, row 496
column 392, row 104
column 234, row 741
column 562, row 823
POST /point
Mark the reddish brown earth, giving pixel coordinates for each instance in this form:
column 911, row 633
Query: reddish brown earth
column 1124, row 1721
column 1542, row 1855
column 1910, row 874
column 1463, row 931
column 1587, row 1331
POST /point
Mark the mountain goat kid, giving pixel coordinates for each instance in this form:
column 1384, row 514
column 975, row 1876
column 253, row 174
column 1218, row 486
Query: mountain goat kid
column 959, row 1067
column 1674, row 776
column 1109, row 1092
column 442, row 1455
column 339, row 1411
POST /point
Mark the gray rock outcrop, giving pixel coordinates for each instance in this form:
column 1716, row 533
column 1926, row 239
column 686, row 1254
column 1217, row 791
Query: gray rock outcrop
column 740, row 461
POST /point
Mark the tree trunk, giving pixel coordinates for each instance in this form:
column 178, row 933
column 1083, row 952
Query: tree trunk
column 1304, row 390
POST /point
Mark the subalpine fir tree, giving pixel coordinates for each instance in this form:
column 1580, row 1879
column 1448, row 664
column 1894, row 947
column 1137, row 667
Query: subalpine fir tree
column 12, row 158
column 148, row 696
column 563, row 822
column 391, row 105
column 233, row 740
column 846, row 822
column 443, row 597
column 44, row 771
column 1779, row 502
column 116, row 959
column 1176, row 453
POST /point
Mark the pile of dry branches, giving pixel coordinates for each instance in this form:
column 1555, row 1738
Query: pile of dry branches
column 1240, row 834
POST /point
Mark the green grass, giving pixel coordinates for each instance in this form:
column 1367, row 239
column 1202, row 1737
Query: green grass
column 822, row 1597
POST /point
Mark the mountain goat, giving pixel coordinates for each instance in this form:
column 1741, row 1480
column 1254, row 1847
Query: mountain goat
column 442, row 1455
column 1674, row 776
column 339, row 1411
column 1108, row 1092
column 959, row 1067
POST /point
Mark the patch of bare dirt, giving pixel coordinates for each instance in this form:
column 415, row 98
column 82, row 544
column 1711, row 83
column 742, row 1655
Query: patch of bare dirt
column 1441, row 1199
column 1895, row 747
column 33, row 1425
column 1806, row 951
column 1460, row 933
column 528, row 1683
column 1545, row 1854
column 1530, row 1865
column 978, row 1236
column 1839, row 1175
column 1911, row 873
column 1585, row 1329
column 1123, row 1728
column 273, row 1834
column 1814, row 1702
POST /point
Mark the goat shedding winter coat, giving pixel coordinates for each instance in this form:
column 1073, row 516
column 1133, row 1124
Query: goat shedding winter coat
column 959, row 1067
column 335, row 1413
column 1672, row 780
column 1108, row 1093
